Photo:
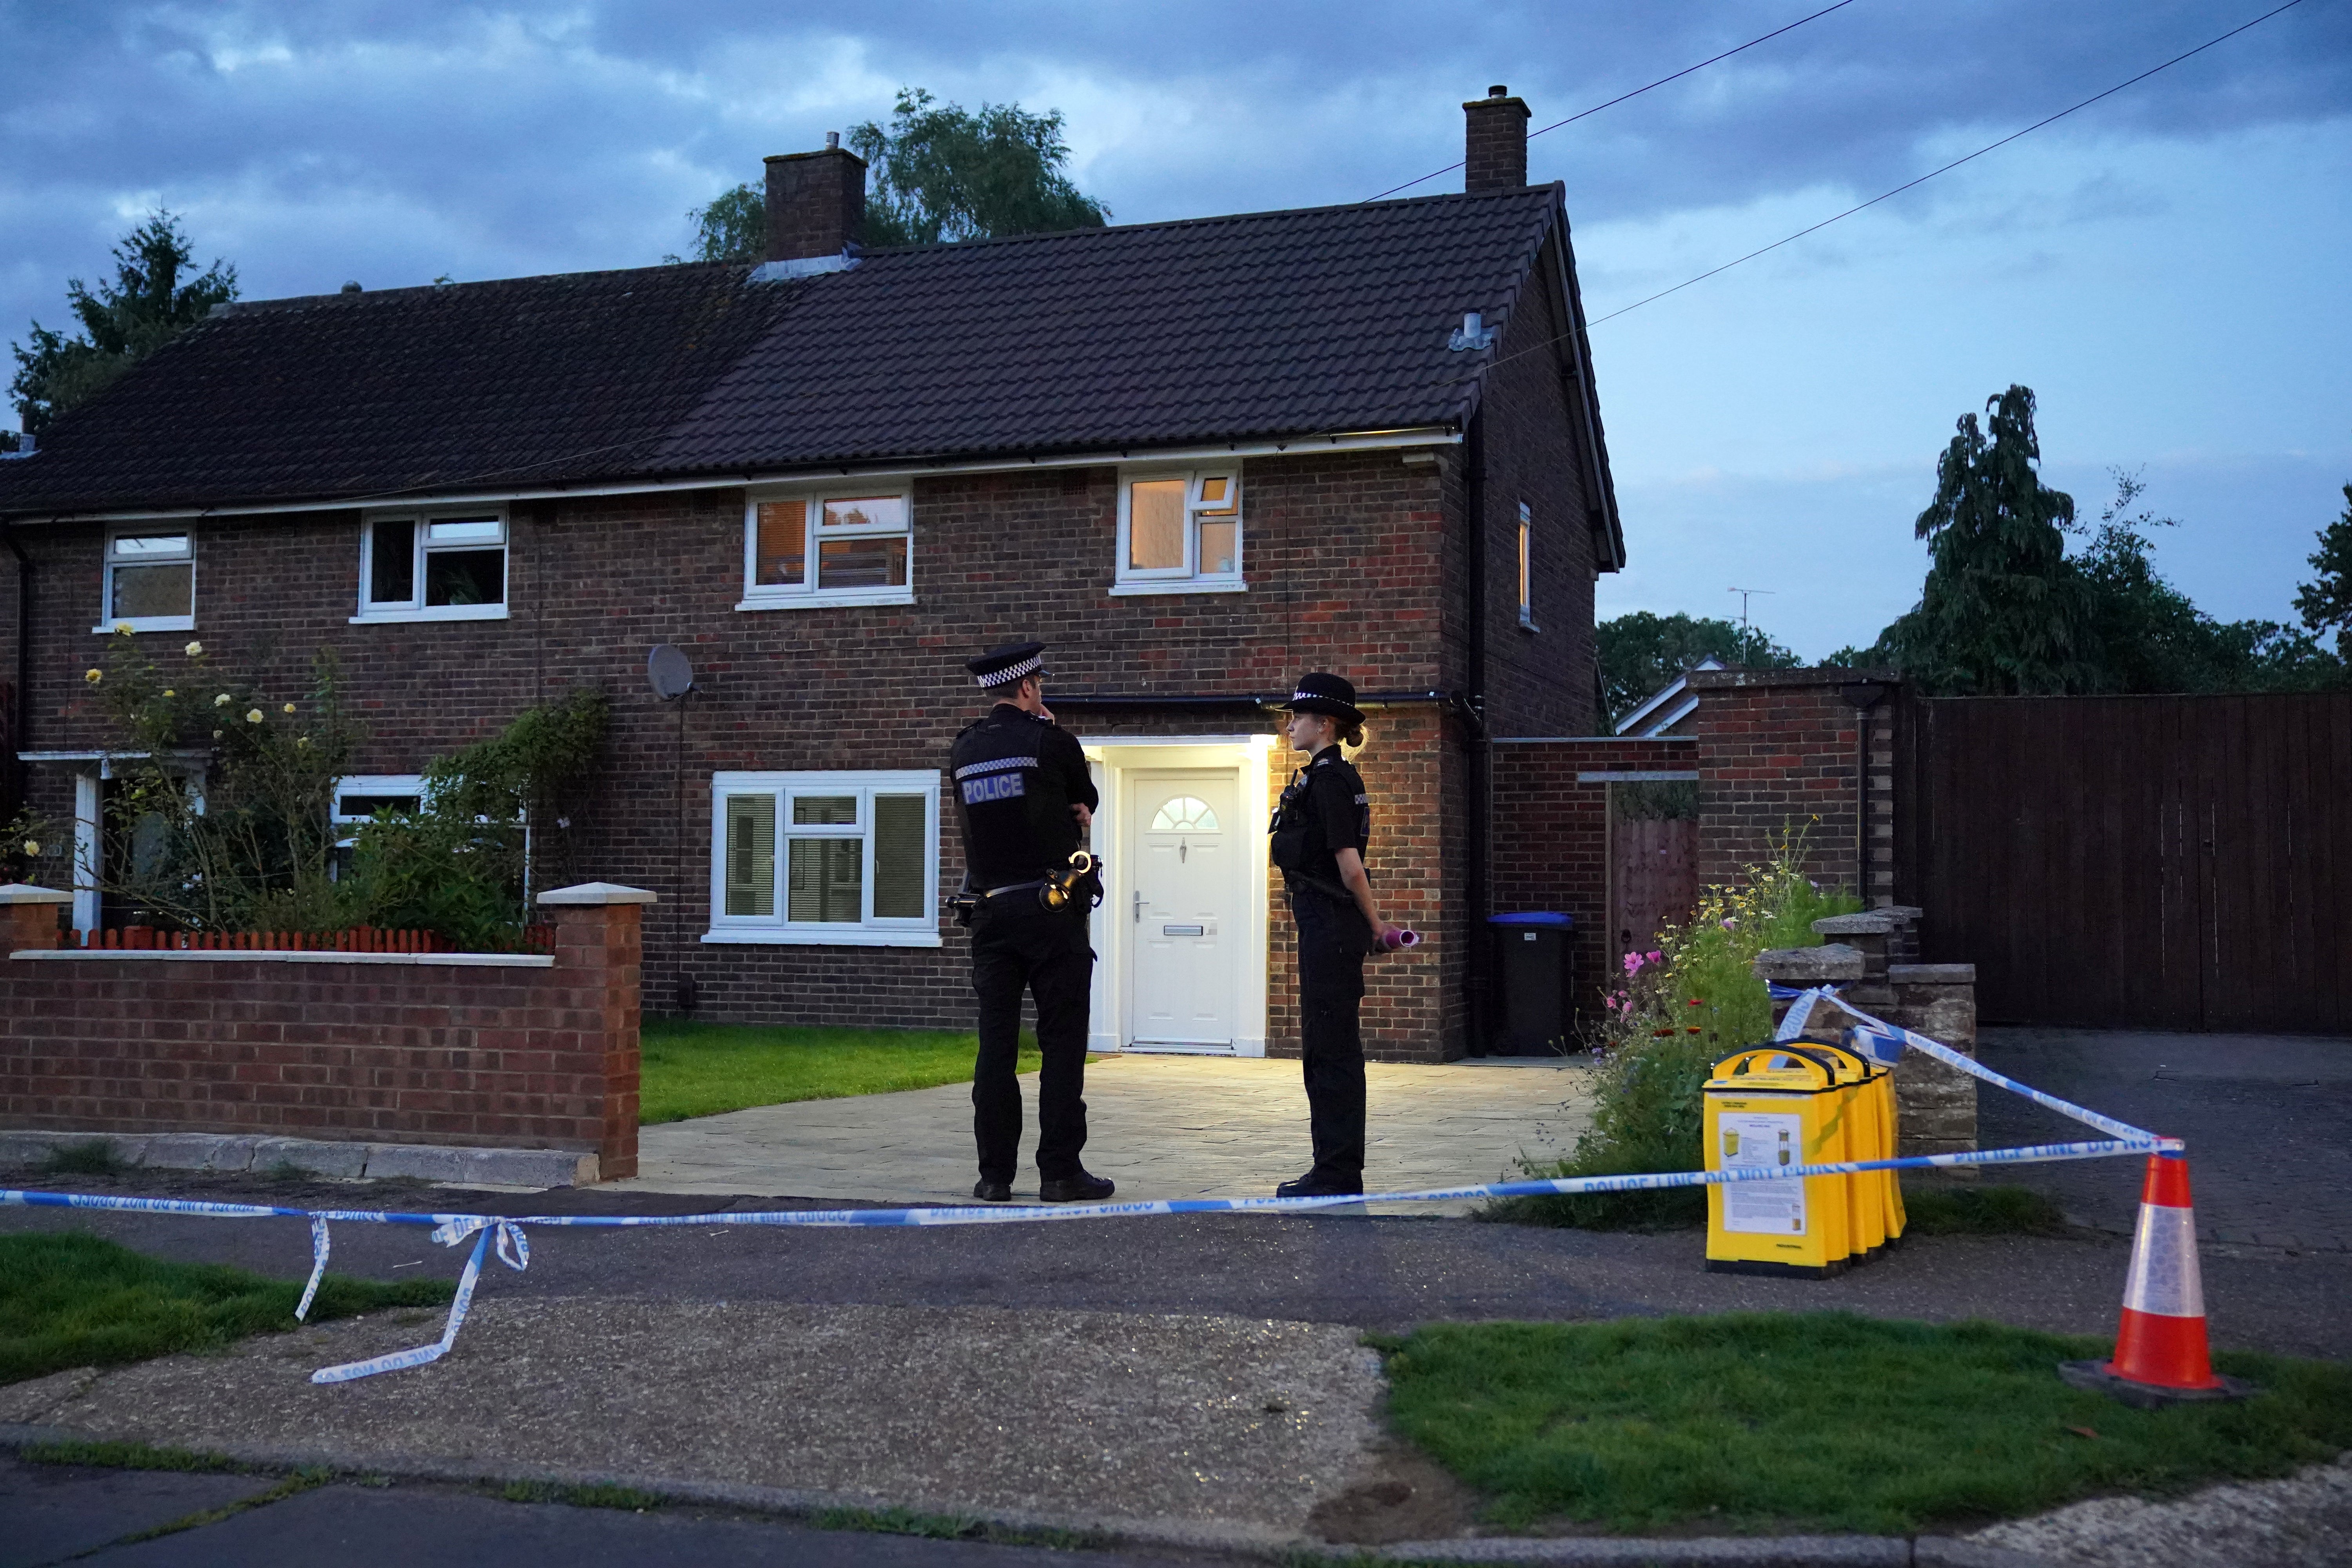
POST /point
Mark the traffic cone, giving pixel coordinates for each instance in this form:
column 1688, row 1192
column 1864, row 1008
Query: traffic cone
column 2160, row 1350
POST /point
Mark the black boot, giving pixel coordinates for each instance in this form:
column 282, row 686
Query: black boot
column 1315, row 1185
column 1081, row 1188
column 989, row 1192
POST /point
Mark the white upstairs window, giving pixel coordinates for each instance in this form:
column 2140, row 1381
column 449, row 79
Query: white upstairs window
column 151, row 582
column 1180, row 531
column 434, row 567
column 806, row 549
column 844, row 858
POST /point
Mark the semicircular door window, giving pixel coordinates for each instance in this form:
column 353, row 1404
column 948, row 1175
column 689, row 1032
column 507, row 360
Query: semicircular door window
column 1185, row 814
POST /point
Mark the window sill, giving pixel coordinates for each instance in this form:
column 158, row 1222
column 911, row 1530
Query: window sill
column 437, row 613
column 853, row 936
column 1175, row 585
column 839, row 599
column 147, row 623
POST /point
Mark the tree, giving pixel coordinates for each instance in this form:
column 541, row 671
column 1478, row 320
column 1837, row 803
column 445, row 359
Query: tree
column 2002, row 613
column 2327, row 600
column 1641, row 652
column 149, row 302
column 937, row 173
column 2150, row 637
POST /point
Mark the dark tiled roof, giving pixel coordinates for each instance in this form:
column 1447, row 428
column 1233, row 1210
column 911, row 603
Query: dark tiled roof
column 1261, row 325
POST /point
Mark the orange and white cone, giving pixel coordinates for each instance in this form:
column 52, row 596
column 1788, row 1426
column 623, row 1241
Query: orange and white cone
column 2160, row 1348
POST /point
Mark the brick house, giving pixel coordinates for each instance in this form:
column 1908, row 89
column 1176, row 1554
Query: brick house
column 1197, row 457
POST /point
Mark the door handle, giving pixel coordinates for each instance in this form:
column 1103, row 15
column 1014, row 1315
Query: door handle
column 1139, row 908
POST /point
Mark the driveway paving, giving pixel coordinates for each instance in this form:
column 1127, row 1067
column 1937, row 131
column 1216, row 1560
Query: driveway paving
column 1160, row 1126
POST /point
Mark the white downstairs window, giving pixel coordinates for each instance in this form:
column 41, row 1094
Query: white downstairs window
column 151, row 582
column 434, row 567
column 846, row 858
column 1180, row 531
column 806, row 549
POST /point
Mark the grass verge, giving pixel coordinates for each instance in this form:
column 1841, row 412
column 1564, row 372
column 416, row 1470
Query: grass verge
column 68, row 1300
column 701, row 1070
column 1758, row 1422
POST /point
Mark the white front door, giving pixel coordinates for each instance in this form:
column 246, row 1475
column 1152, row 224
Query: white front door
column 1185, row 850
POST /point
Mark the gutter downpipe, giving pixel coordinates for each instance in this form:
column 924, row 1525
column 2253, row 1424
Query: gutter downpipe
column 20, row 724
column 1479, row 826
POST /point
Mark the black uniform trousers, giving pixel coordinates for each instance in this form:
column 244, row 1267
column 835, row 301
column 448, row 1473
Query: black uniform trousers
column 1017, row 945
column 1333, row 940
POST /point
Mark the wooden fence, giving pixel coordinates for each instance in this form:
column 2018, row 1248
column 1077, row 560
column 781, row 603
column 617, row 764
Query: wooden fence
column 359, row 939
column 2155, row 862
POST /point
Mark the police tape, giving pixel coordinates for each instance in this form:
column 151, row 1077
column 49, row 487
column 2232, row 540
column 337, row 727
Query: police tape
column 514, row 1247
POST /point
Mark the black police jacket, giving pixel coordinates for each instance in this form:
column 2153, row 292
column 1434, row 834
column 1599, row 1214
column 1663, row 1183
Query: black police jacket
column 1324, row 810
column 1016, row 776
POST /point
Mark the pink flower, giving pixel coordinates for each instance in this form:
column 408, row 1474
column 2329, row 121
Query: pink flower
column 1658, row 957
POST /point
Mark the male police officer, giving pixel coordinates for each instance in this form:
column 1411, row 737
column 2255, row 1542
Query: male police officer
column 1024, row 796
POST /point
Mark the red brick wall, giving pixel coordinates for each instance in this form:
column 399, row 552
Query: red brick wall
column 1777, row 753
column 493, row 1056
column 1551, row 834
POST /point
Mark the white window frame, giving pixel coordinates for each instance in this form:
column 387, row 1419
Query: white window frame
column 1528, row 569
column 109, row 623
column 805, row 595
column 1188, row 578
column 371, row 783
column 777, row 930
column 416, row 609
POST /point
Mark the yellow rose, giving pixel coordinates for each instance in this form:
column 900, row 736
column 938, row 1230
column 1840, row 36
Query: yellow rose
column 169, row 693
column 222, row 700
column 301, row 742
column 289, row 707
column 31, row 847
column 253, row 715
column 123, row 628
column 193, row 650
column 93, row 676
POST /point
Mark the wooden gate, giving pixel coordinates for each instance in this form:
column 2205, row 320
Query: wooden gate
column 2156, row 862
column 1653, row 880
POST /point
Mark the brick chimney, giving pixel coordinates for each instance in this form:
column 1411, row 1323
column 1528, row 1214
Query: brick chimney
column 816, row 202
column 1495, row 157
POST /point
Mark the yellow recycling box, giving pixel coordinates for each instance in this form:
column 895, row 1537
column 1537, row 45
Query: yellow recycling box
column 1769, row 1107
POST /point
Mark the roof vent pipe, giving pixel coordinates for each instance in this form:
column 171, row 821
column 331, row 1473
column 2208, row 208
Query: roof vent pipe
column 833, row 140
column 1472, row 334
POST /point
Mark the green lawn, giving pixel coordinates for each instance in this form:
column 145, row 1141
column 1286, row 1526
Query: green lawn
column 701, row 1070
column 1824, row 1421
column 68, row 1300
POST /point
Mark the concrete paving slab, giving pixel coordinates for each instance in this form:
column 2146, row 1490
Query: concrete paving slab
column 1233, row 1427
column 1160, row 1126
column 56, row 1512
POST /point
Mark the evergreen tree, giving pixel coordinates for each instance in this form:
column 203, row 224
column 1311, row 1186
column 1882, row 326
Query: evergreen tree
column 2327, row 600
column 151, row 300
column 2002, row 613
column 937, row 173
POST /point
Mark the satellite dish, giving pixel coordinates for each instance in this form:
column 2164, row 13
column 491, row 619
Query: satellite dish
column 671, row 673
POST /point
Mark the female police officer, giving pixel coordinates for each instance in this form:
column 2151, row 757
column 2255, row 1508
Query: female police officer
column 1320, row 832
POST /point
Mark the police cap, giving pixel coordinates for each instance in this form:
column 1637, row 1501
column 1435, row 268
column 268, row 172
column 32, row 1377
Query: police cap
column 1319, row 691
column 1003, row 666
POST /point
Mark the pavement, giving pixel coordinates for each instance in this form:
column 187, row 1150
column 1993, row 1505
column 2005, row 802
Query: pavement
column 1160, row 1126
column 748, row 1368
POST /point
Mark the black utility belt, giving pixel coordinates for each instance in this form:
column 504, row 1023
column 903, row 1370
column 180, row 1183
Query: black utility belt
column 1295, row 880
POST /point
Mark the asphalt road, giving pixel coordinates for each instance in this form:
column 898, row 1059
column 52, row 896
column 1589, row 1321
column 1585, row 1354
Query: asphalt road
column 57, row 1512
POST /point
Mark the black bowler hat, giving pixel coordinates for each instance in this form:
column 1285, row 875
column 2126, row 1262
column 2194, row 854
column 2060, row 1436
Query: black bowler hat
column 1003, row 666
column 1322, row 692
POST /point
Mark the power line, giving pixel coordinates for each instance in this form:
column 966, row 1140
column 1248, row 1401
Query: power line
column 1931, row 174
column 1637, row 92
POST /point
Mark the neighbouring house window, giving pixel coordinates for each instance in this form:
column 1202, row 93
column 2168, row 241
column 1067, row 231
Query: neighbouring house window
column 849, row 546
column 151, row 582
column 1180, row 531
column 359, row 797
column 1526, row 574
column 825, row 857
column 434, row 567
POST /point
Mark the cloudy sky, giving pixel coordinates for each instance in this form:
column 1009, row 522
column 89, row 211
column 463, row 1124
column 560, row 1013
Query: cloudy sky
column 2167, row 269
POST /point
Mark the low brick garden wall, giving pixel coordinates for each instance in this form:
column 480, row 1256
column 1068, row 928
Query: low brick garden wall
column 506, row 1050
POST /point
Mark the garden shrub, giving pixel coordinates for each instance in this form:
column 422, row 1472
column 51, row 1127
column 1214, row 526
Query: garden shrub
column 1678, row 1010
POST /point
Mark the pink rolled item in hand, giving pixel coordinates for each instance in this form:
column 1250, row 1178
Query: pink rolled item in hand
column 1397, row 937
